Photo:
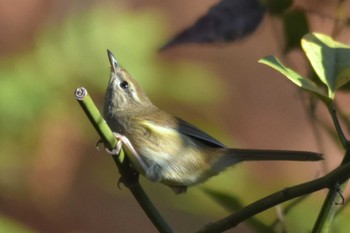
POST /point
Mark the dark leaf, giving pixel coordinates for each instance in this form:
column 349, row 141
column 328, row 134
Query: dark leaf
column 278, row 6
column 227, row 21
column 295, row 26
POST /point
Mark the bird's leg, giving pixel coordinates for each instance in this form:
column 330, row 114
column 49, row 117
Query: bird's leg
column 115, row 151
column 122, row 140
column 151, row 170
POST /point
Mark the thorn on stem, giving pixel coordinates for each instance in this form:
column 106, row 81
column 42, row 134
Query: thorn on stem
column 339, row 192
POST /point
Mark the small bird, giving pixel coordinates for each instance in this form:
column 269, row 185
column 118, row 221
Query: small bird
column 165, row 148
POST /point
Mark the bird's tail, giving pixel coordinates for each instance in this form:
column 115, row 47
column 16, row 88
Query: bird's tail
column 233, row 156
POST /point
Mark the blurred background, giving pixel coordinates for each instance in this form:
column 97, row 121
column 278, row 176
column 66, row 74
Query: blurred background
column 52, row 178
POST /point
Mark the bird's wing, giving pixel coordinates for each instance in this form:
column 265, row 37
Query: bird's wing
column 194, row 132
column 157, row 121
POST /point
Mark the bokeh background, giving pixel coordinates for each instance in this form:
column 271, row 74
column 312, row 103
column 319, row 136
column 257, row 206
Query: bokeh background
column 52, row 178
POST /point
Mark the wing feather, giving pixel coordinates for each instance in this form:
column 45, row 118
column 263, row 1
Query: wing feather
column 194, row 132
column 157, row 119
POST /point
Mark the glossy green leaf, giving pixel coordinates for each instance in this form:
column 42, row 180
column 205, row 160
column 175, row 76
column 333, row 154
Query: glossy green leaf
column 293, row 76
column 330, row 60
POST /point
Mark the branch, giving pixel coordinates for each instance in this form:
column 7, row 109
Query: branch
column 288, row 208
column 329, row 210
column 128, row 175
column 339, row 175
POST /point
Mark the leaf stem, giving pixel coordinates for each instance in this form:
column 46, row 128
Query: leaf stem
column 340, row 174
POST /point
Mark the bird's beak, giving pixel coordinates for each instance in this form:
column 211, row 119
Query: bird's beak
column 112, row 61
column 114, row 66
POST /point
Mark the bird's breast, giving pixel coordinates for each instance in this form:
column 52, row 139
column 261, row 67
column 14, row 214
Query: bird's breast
column 176, row 157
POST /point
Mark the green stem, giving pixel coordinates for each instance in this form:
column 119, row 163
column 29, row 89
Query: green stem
column 330, row 206
column 333, row 112
column 129, row 177
column 341, row 174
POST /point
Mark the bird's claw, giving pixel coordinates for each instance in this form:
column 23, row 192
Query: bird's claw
column 120, row 138
column 132, row 178
column 120, row 181
column 98, row 144
column 117, row 149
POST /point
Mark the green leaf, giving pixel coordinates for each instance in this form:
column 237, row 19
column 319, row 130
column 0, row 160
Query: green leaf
column 293, row 76
column 228, row 202
column 232, row 203
column 13, row 226
column 330, row 60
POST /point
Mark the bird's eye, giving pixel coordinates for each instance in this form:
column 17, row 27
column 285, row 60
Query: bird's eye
column 124, row 85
